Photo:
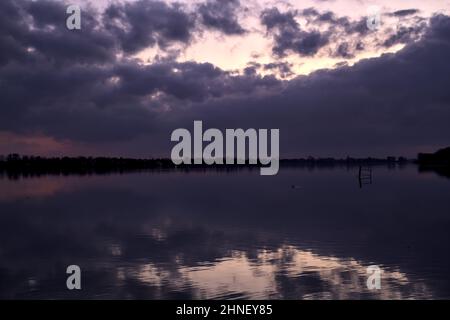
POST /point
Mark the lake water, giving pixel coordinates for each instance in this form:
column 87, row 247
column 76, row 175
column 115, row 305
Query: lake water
column 303, row 234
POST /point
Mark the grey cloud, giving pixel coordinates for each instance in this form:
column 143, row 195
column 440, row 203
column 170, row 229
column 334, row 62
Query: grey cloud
column 273, row 18
column 344, row 50
column 310, row 12
column 142, row 24
column 289, row 37
column 189, row 81
column 283, row 68
column 405, row 12
column 405, row 34
column 355, row 32
column 351, row 35
column 314, row 16
column 221, row 15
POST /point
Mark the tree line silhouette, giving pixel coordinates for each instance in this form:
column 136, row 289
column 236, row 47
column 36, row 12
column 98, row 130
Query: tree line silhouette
column 15, row 165
column 438, row 162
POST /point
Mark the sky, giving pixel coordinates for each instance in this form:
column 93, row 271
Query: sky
column 137, row 70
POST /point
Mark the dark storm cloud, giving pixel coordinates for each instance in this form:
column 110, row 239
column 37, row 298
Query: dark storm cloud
column 325, row 29
column 392, row 104
column 273, row 18
column 315, row 16
column 288, row 37
column 36, row 31
column 283, row 68
column 349, row 35
column 405, row 34
column 221, row 15
column 405, row 12
column 188, row 81
column 70, row 84
column 89, row 103
column 142, row 24
column 343, row 50
column 405, row 26
column 10, row 24
column 310, row 12
column 359, row 27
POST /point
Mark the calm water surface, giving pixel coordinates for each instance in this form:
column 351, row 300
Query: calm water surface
column 227, row 235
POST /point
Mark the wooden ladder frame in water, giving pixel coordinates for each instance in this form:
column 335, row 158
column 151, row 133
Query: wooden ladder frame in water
column 365, row 175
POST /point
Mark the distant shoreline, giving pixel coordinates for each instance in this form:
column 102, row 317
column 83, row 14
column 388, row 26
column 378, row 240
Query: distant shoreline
column 15, row 165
